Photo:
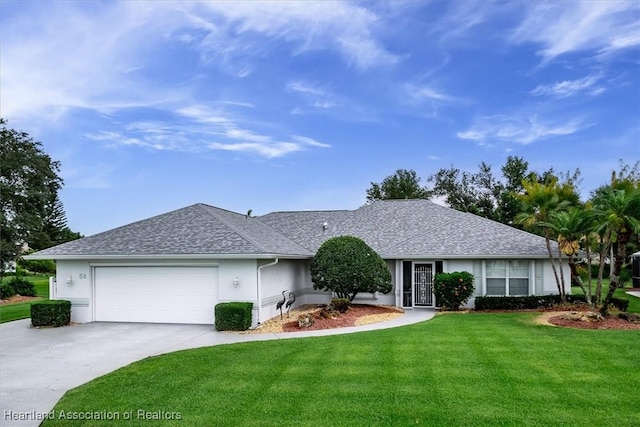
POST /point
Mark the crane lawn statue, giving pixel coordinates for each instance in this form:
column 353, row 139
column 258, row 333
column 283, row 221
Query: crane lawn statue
column 281, row 303
column 292, row 299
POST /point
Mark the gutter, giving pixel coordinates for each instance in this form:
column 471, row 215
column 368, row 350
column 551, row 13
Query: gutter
column 259, row 293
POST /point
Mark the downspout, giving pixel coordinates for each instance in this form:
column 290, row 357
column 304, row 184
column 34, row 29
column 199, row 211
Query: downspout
column 271, row 264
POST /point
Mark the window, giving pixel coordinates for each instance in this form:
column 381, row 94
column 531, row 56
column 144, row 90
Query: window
column 507, row 277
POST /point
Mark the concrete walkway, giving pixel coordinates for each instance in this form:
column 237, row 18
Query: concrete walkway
column 634, row 294
column 37, row 366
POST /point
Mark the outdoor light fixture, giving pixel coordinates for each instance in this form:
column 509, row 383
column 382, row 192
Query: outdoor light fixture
column 69, row 280
column 236, row 282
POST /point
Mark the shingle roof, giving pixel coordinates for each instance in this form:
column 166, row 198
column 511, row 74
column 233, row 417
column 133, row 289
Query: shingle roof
column 393, row 228
column 409, row 228
column 196, row 229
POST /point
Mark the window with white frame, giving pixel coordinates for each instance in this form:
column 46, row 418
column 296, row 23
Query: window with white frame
column 507, row 277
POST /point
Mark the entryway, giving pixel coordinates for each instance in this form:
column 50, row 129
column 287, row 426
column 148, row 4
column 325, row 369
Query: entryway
column 417, row 283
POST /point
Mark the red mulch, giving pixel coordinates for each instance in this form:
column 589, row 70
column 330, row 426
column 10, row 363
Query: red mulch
column 16, row 299
column 611, row 322
column 345, row 319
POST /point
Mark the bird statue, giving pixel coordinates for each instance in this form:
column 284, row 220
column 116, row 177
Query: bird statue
column 281, row 303
column 292, row 299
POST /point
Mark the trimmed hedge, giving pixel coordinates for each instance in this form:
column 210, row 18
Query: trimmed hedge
column 233, row 316
column 51, row 313
column 536, row 301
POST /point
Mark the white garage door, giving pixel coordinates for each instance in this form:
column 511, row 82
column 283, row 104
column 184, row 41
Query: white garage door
column 156, row 294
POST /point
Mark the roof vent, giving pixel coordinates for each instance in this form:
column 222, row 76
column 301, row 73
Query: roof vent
column 324, row 226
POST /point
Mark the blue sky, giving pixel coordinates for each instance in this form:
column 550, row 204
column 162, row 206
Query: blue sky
column 153, row 106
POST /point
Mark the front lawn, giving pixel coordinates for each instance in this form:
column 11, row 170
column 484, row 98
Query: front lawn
column 457, row 369
column 22, row 310
column 634, row 302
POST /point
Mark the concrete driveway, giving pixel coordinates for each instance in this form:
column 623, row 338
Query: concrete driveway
column 37, row 366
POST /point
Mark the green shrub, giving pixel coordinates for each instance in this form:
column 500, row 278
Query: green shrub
column 517, row 303
column 537, row 301
column 347, row 266
column 6, row 291
column 23, row 287
column 620, row 303
column 38, row 265
column 594, row 270
column 233, row 316
column 453, row 289
column 51, row 313
column 625, row 277
column 341, row 304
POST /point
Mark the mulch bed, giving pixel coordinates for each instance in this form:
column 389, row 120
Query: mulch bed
column 17, row 299
column 348, row 318
column 611, row 322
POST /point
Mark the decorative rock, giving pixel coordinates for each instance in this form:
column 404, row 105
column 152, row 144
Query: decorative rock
column 329, row 312
column 586, row 316
column 592, row 316
column 305, row 320
column 574, row 315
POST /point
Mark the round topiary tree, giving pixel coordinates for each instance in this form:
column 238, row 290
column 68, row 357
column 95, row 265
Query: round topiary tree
column 346, row 265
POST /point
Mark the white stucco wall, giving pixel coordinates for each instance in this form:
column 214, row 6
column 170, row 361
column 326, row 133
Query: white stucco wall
column 290, row 275
column 549, row 285
column 80, row 290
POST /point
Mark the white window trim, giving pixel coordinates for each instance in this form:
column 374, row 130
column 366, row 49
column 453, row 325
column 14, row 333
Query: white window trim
column 530, row 277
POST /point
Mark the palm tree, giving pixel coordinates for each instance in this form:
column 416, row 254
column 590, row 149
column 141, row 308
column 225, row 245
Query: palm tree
column 570, row 227
column 538, row 202
column 618, row 206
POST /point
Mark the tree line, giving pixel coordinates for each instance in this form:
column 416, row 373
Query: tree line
column 32, row 216
column 604, row 227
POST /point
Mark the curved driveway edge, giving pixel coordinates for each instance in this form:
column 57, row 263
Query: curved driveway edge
column 37, row 366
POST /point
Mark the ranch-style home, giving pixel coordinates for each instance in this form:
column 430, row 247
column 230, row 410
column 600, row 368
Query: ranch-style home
column 175, row 267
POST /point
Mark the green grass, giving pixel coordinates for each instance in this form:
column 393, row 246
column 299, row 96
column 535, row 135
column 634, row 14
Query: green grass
column 23, row 310
column 634, row 303
column 458, row 369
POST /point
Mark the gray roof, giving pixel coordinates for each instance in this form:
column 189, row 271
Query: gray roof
column 393, row 228
column 196, row 229
column 410, row 228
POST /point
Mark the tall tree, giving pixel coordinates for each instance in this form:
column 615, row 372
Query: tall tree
column 570, row 227
column 54, row 229
column 619, row 207
column 404, row 184
column 484, row 194
column 29, row 180
column 539, row 202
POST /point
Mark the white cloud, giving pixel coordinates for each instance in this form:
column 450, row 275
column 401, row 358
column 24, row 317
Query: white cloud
column 564, row 27
column 269, row 150
column 523, row 130
column 463, row 16
column 309, row 141
column 242, row 29
column 422, row 92
column 305, row 88
column 567, row 88
column 202, row 128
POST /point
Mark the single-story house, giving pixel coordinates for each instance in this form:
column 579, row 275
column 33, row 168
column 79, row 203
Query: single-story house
column 174, row 267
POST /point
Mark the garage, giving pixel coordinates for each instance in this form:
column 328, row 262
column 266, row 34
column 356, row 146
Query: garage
column 156, row 294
